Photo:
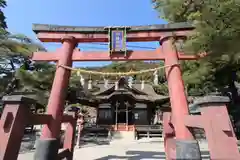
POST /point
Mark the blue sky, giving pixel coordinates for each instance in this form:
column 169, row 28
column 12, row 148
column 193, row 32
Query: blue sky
column 22, row 13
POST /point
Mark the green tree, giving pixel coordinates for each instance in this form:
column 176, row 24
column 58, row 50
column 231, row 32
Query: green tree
column 3, row 24
column 15, row 51
column 217, row 33
column 15, row 55
column 38, row 81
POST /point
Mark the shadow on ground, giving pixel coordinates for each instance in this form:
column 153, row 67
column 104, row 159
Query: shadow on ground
column 93, row 142
column 138, row 155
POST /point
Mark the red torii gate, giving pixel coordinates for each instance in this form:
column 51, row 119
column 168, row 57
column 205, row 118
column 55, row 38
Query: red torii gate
column 71, row 36
column 16, row 114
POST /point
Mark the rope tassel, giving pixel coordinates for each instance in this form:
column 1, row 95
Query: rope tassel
column 130, row 82
column 90, row 84
column 105, row 83
column 82, row 81
column 116, row 85
column 142, row 85
column 155, row 81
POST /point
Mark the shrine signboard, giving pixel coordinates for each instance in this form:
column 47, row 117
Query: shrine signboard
column 117, row 40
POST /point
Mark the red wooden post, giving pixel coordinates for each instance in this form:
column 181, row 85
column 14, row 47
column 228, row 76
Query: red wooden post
column 80, row 122
column 178, row 99
column 49, row 141
column 168, row 133
column 215, row 121
column 222, row 142
column 70, row 134
column 13, row 121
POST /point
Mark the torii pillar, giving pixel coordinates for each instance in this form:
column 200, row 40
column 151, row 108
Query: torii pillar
column 186, row 146
column 48, row 145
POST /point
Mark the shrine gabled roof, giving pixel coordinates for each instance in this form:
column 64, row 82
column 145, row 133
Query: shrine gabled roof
column 146, row 93
column 156, row 98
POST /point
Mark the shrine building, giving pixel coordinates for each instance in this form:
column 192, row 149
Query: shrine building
column 124, row 107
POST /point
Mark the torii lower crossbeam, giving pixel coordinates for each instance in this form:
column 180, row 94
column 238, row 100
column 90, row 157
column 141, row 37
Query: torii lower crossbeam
column 105, row 56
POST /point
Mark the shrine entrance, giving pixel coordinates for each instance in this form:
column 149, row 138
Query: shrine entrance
column 124, row 121
column 123, row 112
column 121, row 117
column 124, row 116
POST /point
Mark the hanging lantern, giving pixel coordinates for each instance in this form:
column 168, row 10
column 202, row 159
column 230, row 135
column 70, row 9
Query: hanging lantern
column 90, row 84
column 116, row 85
column 155, row 81
column 142, row 85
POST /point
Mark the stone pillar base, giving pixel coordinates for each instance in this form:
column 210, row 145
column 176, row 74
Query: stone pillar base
column 47, row 149
column 187, row 150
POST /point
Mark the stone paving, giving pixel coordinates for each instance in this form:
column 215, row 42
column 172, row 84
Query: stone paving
column 120, row 150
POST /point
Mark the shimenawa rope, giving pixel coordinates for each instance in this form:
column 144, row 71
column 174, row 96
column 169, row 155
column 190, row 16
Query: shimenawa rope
column 83, row 71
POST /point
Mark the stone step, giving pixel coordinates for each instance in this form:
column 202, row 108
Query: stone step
column 126, row 135
column 123, row 127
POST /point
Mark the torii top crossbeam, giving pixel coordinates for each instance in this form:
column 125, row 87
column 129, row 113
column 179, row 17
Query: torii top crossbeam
column 55, row 33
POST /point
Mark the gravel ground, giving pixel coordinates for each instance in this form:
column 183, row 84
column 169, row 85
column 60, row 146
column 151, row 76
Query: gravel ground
column 143, row 149
column 28, row 143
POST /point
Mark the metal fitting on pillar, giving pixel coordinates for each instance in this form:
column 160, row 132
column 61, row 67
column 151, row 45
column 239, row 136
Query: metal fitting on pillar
column 70, row 39
column 167, row 36
column 171, row 35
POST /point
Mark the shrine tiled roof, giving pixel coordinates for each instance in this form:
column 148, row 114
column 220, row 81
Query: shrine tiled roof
column 156, row 98
column 137, row 92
